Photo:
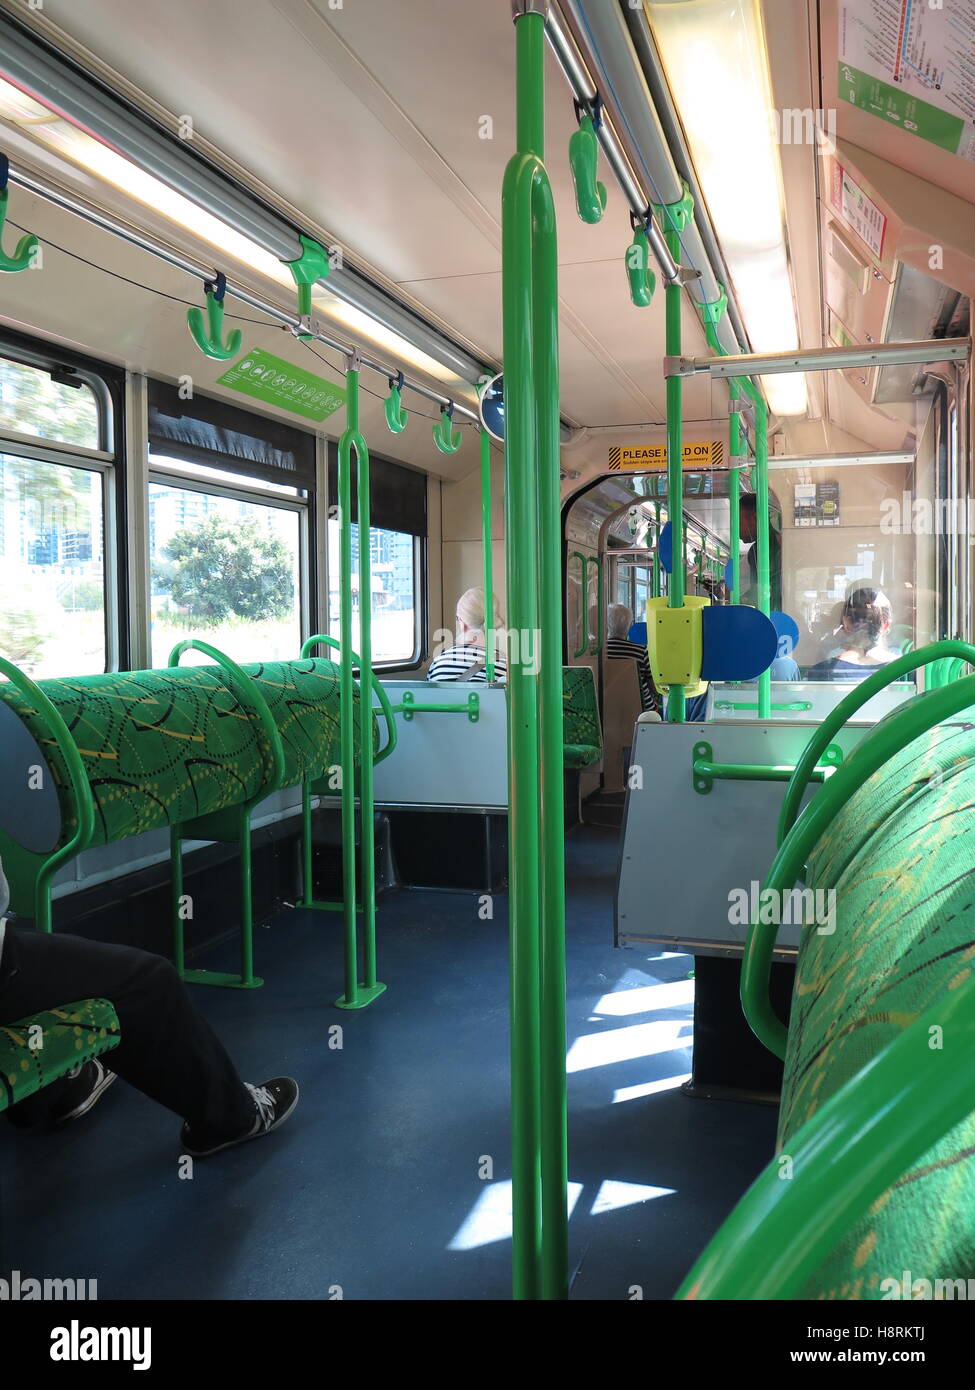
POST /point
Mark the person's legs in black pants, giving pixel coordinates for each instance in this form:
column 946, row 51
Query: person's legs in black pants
column 168, row 1050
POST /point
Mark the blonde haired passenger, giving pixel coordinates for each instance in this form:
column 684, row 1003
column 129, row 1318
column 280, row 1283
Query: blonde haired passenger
column 466, row 660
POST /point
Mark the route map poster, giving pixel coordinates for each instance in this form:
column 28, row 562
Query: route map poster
column 913, row 64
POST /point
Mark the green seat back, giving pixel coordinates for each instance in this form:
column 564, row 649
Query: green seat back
column 903, row 938
column 164, row 747
column 582, row 729
column 39, row 1050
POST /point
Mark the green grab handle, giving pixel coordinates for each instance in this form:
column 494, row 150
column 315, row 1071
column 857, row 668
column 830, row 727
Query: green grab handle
column 595, row 651
column 857, row 1145
column 914, row 718
column 320, row 639
column 641, row 278
column 584, row 604
column 209, row 338
column 23, row 257
column 311, row 266
column 447, row 439
column 396, row 417
column 20, row 862
column 247, row 687
column 935, row 652
column 583, row 160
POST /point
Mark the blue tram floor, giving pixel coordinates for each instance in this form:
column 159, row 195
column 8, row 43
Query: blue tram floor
column 375, row 1185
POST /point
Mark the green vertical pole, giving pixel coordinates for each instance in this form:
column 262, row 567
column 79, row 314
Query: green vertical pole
column 367, row 853
column 655, row 582
column 535, row 737
column 762, row 531
column 522, row 587
column 307, row 870
column 554, row 1139
column 246, row 902
column 490, row 640
column 175, row 895
column 350, row 998
column 676, row 703
column 734, row 492
column 357, row 996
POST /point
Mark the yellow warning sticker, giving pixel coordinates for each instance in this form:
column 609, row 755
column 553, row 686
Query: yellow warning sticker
column 641, row 458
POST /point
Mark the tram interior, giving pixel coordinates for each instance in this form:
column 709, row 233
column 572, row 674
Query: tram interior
column 151, row 152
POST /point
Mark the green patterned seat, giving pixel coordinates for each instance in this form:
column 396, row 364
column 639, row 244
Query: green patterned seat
column 39, row 1050
column 901, row 858
column 166, row 747
column 582, row 730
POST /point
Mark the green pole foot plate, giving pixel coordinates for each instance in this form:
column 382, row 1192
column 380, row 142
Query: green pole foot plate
column 219, row 977
column 364, row 997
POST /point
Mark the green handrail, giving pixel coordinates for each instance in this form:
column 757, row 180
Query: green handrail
column 673, row 309
column 22, row 865
column 847, row 707
column 583, row 603
column 357, row 994
column 535, row 738
column 236, row 828
column 862, row 1140
column 410, row 707
column 704, row 771
column 889, row 737
column 798, row 706
column 251, row 692
column 490, row 636
column 597, row 649
column 711, row 314
column 321, row 639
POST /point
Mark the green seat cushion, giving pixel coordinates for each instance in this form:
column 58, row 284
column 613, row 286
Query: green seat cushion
column 164, row 747
column 38, row 1050
column 583, row 733
column 928, row 757
column 904, row 938
column 578, row 755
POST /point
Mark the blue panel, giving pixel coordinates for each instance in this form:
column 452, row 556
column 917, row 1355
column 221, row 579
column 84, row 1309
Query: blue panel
column 739, row 643
column 786, row 631
column 638, row 633
column 666, row 547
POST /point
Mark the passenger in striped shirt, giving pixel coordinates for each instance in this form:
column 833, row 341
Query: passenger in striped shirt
column 466, row 659
column 619, row 646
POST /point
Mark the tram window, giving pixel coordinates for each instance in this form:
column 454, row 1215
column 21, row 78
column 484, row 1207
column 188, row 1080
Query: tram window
column 33, row 403
column 52, row 577
column 224, row 568
column 395, row 562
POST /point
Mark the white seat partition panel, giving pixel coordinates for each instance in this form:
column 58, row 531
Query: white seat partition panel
column 447, row 759
column 792, row 700
column 683, row 854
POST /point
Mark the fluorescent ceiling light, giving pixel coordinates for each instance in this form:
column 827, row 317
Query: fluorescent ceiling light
column 58, row 135
column 717, row 68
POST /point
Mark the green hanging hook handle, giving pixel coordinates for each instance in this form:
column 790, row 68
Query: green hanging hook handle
column 642, row 280
column 23, row 257
column 396, row 417
column 311, row 266
column 447, row 439
column 583, row 160
column 209, row 338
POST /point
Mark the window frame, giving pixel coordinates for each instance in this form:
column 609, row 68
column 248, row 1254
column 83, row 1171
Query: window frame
column 107, row 385
column 302, row 506
column 418, row 656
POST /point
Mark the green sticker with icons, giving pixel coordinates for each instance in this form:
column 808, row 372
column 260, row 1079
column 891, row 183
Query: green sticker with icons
column 268, row 378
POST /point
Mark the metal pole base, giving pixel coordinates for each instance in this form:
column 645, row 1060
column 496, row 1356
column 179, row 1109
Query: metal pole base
column 364, row 996
column 220, row 977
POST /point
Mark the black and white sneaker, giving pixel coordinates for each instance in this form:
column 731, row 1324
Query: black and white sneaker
column 274, row 1101
column 90, row 1082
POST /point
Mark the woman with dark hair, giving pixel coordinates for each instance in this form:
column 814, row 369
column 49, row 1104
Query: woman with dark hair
column 862, row 638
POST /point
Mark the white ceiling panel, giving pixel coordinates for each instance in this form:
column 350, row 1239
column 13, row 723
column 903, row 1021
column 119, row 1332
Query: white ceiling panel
column 369, row 119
